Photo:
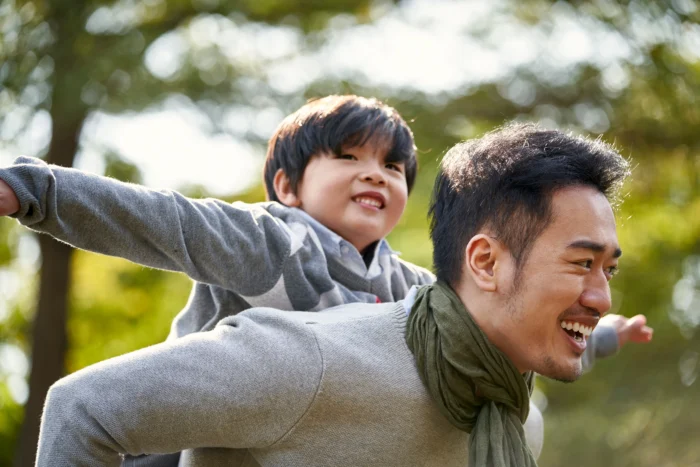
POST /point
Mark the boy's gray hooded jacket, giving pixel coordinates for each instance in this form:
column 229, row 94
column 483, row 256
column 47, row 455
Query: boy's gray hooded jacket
column 241, row 255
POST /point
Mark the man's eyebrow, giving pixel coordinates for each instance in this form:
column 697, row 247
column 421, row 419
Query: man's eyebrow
column 594, row 246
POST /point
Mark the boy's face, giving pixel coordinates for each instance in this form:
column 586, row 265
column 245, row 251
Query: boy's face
column 358, row 195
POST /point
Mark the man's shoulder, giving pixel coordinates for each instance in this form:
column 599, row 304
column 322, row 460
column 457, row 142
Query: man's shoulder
column 350, row 328
column 353, row 312
column 338, row 314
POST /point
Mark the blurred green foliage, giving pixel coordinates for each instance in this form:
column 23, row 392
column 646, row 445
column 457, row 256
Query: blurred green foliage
column 636, row 409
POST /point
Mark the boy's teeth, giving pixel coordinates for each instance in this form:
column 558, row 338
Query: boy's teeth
column 577, row 327
column 369, row 201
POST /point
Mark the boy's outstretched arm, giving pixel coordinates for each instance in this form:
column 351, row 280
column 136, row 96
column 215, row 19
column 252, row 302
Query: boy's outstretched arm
column 614, row 331
column 632, row 329
column 242, row 385
column 228, row 245
column 9, row 204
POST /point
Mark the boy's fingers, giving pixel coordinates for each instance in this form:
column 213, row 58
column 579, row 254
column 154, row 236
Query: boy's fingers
column 638, row 331
column 9, row 204
column 644, row 335
column 633, row 329
column 637, row 321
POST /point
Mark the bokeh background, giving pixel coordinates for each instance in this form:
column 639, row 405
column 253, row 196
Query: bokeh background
column 184, row 94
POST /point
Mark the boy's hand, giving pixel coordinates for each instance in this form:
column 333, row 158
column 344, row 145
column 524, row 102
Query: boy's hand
column 9, row 204
column 633, row 329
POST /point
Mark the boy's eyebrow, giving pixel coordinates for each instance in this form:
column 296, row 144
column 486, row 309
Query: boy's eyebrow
column 387, row 156
column 593, row 246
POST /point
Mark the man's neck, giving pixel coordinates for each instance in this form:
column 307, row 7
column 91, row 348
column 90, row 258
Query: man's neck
column 482, row 306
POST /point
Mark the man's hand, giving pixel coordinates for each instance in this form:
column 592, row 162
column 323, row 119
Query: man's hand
column 9, row 204
column 633, row 329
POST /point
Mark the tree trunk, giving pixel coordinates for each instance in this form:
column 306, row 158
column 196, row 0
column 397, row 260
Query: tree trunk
column 48, row 341
column 49, row 332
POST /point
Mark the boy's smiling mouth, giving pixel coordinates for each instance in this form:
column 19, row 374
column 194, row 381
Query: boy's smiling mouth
column 370, row 199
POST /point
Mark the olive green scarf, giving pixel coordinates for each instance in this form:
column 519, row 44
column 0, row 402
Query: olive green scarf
column 474, row 384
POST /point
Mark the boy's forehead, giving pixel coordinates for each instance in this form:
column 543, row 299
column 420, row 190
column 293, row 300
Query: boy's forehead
column 375, row 144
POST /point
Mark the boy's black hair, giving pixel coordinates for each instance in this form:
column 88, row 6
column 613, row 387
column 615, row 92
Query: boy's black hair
column 328, row 124
column 504, row 181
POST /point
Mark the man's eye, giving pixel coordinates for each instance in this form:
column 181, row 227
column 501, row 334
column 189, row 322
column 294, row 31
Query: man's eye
column 586, row 263
column 612, row 270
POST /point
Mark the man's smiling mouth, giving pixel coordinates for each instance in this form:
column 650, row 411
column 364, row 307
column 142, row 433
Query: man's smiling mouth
column 579, row 332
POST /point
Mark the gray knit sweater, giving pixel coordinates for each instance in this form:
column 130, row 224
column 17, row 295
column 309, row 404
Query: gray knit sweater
column 336, row 388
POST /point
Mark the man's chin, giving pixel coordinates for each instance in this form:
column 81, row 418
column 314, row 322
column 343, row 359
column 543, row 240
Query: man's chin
column 565, row 372
column 564, row 378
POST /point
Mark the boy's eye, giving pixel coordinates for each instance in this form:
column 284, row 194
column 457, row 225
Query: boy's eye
column 393, row 166
column 348, row 157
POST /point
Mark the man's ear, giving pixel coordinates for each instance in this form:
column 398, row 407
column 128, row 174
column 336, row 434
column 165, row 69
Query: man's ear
column 284, row 191
column 483, row 257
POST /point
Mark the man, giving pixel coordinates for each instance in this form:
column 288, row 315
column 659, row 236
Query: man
column 524, row 246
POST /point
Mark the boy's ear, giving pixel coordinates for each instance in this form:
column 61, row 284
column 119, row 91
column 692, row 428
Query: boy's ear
column 284, row 191
column 484, row 261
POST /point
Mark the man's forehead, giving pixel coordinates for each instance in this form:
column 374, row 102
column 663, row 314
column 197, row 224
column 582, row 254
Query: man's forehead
column 582, row 217
column 596, row 247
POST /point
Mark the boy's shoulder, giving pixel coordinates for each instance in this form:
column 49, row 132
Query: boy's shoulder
column 292, row 220
column 299, row 224
column 422, row 275
column 278, row 210
column 272, row 208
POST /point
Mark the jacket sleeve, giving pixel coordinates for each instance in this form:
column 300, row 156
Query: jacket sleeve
column 242, row 385
column 235, row 246
column 601, row 343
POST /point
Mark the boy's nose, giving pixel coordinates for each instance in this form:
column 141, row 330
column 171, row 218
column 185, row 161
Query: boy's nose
column 373, row 174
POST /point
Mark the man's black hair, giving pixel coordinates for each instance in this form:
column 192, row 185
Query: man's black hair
column 504, row 182
column 328, row 125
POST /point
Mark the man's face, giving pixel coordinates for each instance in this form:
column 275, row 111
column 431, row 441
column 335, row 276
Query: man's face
column 358, row 195
column 563, row 283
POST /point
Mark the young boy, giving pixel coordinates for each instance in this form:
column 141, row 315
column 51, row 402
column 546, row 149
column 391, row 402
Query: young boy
column 340, row 168
column 338, row 172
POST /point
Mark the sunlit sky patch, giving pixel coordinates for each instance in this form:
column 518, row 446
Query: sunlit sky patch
column 173, row 149
column 432, row 46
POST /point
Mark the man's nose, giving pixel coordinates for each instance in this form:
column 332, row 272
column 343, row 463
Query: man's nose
column 596, row 295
